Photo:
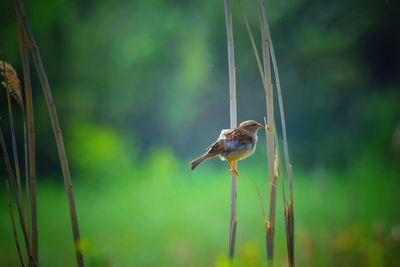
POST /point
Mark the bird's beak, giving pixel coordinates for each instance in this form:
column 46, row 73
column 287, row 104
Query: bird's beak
column 259, row 126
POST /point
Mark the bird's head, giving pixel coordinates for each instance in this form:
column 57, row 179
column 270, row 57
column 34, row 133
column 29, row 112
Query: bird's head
column 251, row 126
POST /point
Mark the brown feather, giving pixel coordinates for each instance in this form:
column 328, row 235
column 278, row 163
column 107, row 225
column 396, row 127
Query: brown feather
column 216, row 148
column 239, row 135
column 194, row 163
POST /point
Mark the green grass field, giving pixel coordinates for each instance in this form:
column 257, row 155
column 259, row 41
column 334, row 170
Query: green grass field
column 162, row 214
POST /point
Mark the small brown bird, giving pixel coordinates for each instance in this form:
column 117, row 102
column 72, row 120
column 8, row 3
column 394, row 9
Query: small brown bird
column 232, row 145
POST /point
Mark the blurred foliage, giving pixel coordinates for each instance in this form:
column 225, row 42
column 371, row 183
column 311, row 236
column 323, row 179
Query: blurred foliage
column 94, row 149
column 141, row 87
column 158, row 70
column 158, row 214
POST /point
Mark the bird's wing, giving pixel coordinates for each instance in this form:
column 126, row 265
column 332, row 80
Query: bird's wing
column 237, row 137
column 218, row 146
column 229, row 140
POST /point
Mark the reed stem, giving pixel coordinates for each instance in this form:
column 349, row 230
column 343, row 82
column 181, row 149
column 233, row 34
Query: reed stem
column 289, row 213
column 30, row 145
column 19, row 204
column 56, row 127
column 14, row 227
column 14, row 144
column 270, row 234
column 23, row 49
column 289, row 207
column 233, row 123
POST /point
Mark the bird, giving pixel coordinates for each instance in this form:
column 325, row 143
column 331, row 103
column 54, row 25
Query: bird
column 232, row 145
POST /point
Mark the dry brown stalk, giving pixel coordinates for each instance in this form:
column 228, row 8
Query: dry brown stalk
column 13, row 87
column 14, row 227
column 269, row 97
column 17, row 200
column 265, row 74
column 27, row 32
column 29, row 140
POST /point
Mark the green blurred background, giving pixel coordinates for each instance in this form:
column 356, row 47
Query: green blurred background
column 141, row 88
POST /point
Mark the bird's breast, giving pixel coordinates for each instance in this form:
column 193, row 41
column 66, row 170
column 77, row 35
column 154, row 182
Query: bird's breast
column 242, row 151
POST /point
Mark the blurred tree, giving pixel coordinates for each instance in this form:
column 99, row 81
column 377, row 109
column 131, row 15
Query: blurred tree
column 157, row 70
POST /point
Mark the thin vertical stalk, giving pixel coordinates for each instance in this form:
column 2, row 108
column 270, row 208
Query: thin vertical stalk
column 8, row 89
column 290, row 224
column 29, row 128
column 30, row 144
column 289, row 213
column 270, row 233
column 56, row 127
column 16, row 184
column 289, row 207
column 19, row 204
column 26, row 166
column 281, row 111
column 233, row 123
column 14, row 145
column 14, row 227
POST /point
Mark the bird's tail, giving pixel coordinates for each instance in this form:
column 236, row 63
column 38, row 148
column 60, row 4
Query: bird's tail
column 194, row 163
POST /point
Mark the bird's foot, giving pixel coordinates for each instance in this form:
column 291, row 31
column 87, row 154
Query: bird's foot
column 234, row 171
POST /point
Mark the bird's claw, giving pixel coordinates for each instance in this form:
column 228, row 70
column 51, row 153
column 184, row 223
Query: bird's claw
column 234, row 172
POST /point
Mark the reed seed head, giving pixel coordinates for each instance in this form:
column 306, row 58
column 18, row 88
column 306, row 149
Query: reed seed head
column 11, row 81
